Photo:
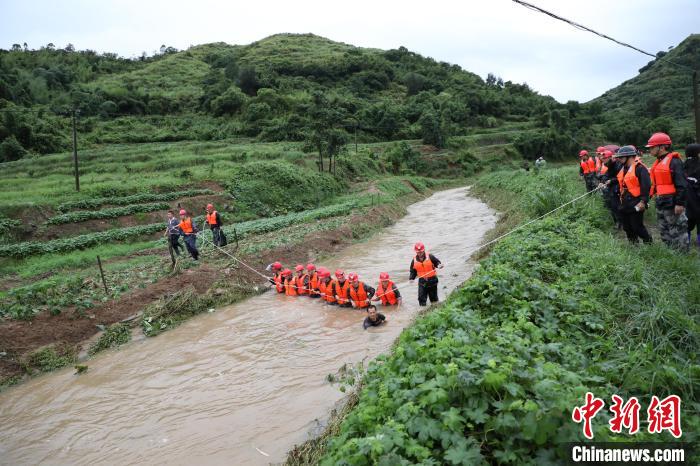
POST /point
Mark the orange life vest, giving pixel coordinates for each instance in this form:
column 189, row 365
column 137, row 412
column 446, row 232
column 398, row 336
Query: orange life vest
column 603, row 169
column 299, row 282
column 359, row 296
column 424, row 269
column 290, row 287
column 387, row 296
column 314, row 283
column 629, row 181
column 341, row 291
column 598, row 164
column 211, row 218
column 661, row 177
column 279, row 283
column 588, row 166
column 186, row 226
column 327, row 291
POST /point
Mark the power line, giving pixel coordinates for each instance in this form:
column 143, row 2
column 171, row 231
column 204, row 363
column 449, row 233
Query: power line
column 600, row 34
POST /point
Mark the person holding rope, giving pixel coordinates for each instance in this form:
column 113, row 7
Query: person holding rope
column 339, row 288
column 325, row 287
column 635, row 188
column 609, row 185
column 289, row 283
column 588, row 170
column 277, row 279
column 387, row 292
column 301, row 280
column 189, row 231
column 313, row 281
column 172, row 232
column 360, row 293
column 423, row 266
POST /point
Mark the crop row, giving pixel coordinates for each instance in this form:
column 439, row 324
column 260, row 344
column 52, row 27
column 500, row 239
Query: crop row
column 114, row 212
column 32, row 248
column 133, row 199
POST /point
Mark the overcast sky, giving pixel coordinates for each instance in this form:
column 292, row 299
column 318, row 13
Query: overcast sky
column 497, row 36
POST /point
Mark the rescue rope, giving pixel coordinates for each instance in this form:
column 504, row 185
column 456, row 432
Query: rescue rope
column 473, row 250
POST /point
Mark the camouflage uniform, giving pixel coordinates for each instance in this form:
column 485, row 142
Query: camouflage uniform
column 673, row 229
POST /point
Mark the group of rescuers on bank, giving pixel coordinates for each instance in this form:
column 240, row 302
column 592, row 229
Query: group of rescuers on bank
column 627, row 186
column 317, row 283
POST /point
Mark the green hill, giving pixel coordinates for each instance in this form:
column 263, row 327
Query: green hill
column 661, row 89
column 273, row 90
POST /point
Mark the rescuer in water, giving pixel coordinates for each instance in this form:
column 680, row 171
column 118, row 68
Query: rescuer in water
column 360, row 293
column 387, row 292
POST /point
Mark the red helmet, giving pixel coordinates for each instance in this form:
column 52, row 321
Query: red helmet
column 310, row 267
column 183, row 212
column 276, row 265
column 339, row 273
column 384, row 276
column 286, row 272
column 600, row 150
column 210, row 206
column 299, row 268
column 659, row 139
column 607, row 154
column 419, row 247
column 582, row 153
column 352, row 277
column 323, row 272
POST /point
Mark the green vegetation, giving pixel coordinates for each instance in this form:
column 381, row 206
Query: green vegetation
column 128, row 200
column 48, row 359
column 81, row 216
column 114, row 335
column 660, row 98
column 492, row 375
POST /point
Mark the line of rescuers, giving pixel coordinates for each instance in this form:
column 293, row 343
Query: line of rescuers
column 338, row 290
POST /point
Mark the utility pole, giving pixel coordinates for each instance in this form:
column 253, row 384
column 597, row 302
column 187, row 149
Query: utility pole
column 696, row 106
column 75, row 154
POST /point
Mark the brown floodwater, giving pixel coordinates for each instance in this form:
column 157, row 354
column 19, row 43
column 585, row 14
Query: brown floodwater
column 243, row 384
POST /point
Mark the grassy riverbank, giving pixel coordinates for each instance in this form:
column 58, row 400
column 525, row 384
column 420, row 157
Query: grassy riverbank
column 560, row 308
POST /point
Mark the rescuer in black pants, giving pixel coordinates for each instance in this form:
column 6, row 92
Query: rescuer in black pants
column 424, row 267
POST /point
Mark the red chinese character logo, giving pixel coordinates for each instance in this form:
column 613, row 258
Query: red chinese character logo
column 587, row 412
column 626, row 415
column 665, row 415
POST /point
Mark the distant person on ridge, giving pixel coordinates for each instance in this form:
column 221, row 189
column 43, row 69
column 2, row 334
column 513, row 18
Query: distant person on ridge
column 189, row 231
column 692, row 174
column 635, row 186
column 172, row 232
column 387, row 291
column 374, row 318
column 213, row 219
column 360, row 293
column 423, row 266
column 670, row 186
column 587, row 170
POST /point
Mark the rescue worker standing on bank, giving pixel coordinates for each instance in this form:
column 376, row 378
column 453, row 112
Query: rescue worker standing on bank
column 387, row 292
column 587, row 170
column 172, row 232
column 608, row 182
column 189, row 231
column 692, row 174
column 635, row 186
column 360, row 293
column 213, row 219
column 423, row 266
column 670, row 186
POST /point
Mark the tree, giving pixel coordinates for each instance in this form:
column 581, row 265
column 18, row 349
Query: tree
column 491, row 80
column 248, row 80
column 431, row 129
column 11, row 149
column 230, row 102
column 415, row 82
column 325, row 136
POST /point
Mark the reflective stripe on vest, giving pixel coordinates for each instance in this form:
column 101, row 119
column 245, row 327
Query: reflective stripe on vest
column 290, row 287
column 424, row 269
column 186, row 226
column 387, row 296
column 661, row 176
column 359, row 296
column 211, row 218
column 341, row 291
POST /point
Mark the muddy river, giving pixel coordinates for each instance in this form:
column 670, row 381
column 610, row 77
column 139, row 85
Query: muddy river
column 241, row 385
